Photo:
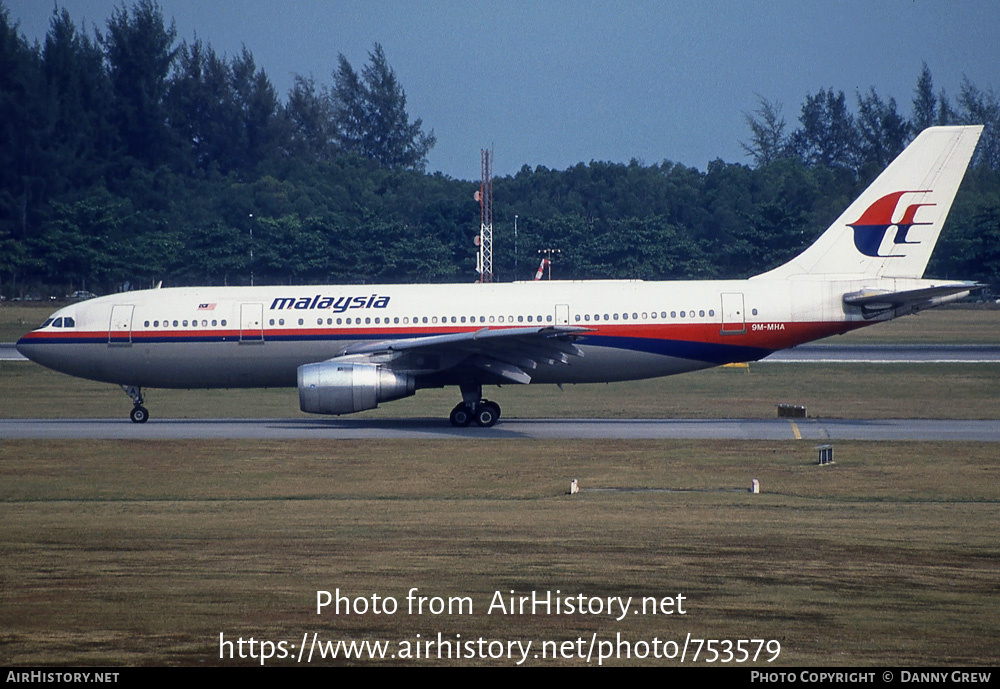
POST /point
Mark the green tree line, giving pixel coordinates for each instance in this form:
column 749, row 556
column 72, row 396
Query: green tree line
column 128, row 157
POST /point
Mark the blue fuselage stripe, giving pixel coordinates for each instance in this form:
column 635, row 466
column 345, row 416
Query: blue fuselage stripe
column 682, row 349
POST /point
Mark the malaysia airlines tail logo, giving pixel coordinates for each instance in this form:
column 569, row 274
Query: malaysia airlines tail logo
column 870, row 228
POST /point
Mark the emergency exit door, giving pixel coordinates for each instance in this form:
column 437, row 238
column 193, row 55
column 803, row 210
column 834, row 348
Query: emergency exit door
column 733, row 318
column 562, row 314
column 120, row 329
column 251, row 323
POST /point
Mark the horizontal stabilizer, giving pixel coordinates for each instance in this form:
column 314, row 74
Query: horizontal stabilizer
column 875, row 302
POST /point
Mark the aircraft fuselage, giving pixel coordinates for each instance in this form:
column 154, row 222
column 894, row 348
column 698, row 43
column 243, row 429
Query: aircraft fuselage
column 259, row 336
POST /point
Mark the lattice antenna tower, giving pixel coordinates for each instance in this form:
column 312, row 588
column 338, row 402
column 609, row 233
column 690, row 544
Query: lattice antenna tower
column 486, row 213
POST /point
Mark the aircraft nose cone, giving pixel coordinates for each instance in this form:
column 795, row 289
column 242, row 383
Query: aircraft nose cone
column 31, row 349
column 24, row 348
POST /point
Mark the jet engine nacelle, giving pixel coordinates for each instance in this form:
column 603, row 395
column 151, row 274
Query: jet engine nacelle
column 343, row 388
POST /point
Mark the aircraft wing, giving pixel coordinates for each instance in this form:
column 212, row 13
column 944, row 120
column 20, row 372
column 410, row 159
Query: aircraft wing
column 875, row 302
column 506, row 353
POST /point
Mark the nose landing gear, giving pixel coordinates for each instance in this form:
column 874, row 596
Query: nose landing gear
column 139, row 413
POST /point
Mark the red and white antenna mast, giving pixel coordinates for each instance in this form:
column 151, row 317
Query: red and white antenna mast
column 486, row 215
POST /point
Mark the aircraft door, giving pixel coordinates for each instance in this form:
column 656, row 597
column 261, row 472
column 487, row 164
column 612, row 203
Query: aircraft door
column 733, row 317
column 251, row 323
column 120, row 329
column 562, row 314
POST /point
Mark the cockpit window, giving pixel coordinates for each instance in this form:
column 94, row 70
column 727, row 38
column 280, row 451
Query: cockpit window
column 61, row 322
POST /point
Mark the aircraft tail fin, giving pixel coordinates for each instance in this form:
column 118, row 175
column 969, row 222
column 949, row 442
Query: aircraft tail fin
column 890, row 230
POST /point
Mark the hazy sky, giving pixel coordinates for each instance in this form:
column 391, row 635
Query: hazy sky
column 554, row 83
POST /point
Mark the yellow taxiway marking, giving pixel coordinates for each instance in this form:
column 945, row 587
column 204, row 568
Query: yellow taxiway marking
column 795, row 430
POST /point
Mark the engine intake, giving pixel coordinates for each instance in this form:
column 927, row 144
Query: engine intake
column 344, row 388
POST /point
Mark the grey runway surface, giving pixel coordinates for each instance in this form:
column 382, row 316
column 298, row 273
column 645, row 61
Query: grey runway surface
column 325, row 429
column 8, row 352
column 886, row 354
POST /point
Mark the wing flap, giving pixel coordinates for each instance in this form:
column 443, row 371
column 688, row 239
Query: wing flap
column 505, row 353
column 500, row 369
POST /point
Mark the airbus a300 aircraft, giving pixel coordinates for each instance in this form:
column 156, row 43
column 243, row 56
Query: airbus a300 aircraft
column 348, row 348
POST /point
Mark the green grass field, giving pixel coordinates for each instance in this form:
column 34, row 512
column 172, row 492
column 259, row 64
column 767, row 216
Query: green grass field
column 142, row 553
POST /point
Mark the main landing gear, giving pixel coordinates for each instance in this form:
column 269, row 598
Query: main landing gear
column 474, row 408
column 139, row 413
column 485, row 414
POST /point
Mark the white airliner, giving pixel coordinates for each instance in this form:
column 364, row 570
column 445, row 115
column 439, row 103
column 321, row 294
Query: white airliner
column 350, row 347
